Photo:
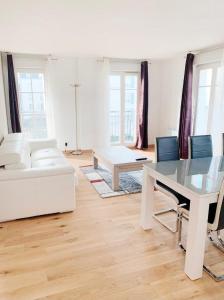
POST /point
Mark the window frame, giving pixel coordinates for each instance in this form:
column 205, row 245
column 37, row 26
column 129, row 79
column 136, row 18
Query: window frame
column 22, row 114
column 214, row 66
column 122, row 75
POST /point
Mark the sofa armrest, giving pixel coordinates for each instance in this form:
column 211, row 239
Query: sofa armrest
column 41, row 144
column 7, row 175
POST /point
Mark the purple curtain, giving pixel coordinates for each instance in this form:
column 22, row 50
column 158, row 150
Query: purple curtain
column 13, row 99
column 186, row 107
column 142, row 126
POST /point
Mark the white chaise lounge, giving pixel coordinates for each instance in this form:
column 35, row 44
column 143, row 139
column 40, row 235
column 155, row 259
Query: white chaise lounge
column 35, row 178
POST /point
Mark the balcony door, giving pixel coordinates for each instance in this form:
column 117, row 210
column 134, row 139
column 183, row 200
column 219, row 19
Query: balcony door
column 210, row 104
column 31, row 91
column 123, row 108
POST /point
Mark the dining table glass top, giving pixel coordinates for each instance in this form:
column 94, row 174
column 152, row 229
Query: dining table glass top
column 201, row 175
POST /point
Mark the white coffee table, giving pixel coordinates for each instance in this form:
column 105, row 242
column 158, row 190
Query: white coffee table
column 118, row 159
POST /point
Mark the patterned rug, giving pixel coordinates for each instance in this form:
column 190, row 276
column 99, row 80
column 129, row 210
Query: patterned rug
column 101, row 179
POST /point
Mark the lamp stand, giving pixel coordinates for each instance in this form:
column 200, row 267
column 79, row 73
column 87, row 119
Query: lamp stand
column 77, row 151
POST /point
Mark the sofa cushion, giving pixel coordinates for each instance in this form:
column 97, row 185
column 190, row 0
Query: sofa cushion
column 25, row 160
column 10, row 153
column 15, row 153
column 45, row 154
column 50, row 162
column 17, row 166
column 12, row 137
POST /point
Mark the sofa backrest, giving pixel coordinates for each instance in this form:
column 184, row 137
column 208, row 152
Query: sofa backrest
column 15, row 152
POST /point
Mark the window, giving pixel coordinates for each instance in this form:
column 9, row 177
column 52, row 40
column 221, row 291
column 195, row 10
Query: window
column 203, row 100
column 210, row 103
column 207, row 98
column 123, row 107
column 32, row 103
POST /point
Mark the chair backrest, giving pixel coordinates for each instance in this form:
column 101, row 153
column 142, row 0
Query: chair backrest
column 200, row 146
column 218, row 223
column 167, row 148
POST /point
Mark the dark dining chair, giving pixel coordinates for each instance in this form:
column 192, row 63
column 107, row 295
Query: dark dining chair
column 167, row 149
column 215, row 225
column 200, row 146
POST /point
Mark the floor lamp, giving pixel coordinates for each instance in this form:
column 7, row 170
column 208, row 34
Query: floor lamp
column 77, row 151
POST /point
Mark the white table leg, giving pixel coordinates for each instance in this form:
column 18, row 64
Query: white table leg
column 115, row 178
column 147, row 201
column 197, row 231
column 95, row 162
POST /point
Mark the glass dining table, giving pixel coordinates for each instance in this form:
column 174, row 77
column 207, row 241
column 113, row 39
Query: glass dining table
column 197, row 179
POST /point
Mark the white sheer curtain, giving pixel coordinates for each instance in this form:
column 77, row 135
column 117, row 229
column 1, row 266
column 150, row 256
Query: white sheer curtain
column 217, row 124
column 102, row 138
column 49, row 99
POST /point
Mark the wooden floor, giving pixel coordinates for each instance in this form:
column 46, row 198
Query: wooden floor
column 98, row 252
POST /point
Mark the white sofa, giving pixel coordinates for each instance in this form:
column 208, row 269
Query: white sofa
column 35, row 178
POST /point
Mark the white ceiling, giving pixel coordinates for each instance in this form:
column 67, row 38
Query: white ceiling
column 113, row 28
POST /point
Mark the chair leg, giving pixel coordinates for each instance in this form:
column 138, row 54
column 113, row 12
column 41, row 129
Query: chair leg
column 205, row 268
column 219, row 243
column 220, row 246
column 213, row 275
column 180, row 221
column 220, row 240
column 174, row 230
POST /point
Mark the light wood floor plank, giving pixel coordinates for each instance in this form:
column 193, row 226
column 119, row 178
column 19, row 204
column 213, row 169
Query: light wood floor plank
column 98, row 252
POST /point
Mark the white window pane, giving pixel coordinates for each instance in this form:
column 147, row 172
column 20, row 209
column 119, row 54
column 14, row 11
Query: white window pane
column 27, row 125
column 39, row 129
column 115, row 81
column 123, row 102
column 220, row 77
column 130, row 99
column 32, row 104
column 205, row 77
column 130, row 115
column 38, row 102
column 24, row 82
column 131, row 82
column 114, row 126
column 37, row 82
column 217, row 112
column 26, row 102
column 115, row 116
column 34, row 126
column 202, row 110
column 115, row 100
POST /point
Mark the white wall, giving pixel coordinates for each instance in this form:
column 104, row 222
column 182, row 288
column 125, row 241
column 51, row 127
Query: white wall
column 154, row 101
column 61, row 73
column 60, row 76
column 3, row 118
column 165, row 88
column 87, row 100
column 64, row 72
column 165, row 91
column 171, row 84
